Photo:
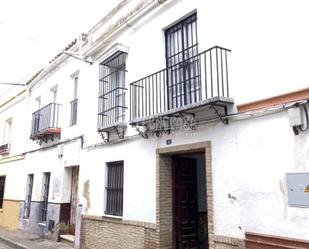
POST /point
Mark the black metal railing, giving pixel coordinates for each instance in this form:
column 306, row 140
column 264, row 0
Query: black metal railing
column 74, row 112
column 5, row 148
column 44, row 118
column 195, row 79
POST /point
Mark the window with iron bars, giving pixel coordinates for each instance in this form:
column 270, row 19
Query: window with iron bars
column 183, row 66
column 46, row 180
column 28, row 198
column 112, row 91
column 74, row 103
column 2, row 183
column 114, row 188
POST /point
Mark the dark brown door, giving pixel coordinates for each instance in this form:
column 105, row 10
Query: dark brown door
column 185, row 203
column 74, row 189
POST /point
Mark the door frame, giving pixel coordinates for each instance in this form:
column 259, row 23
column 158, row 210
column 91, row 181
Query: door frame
column 76, row 168
column 164, row 200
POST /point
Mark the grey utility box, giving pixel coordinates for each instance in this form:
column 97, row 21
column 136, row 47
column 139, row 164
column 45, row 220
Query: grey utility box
column 298, row 189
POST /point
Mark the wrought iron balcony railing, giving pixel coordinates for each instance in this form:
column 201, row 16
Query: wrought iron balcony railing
column 5, row 149
column 199, row 79
column 45, row 121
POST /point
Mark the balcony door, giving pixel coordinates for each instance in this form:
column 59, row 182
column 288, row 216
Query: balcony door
column 183, row 76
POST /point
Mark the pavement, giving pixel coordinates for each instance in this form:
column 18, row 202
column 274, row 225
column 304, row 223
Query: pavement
column 17, row 239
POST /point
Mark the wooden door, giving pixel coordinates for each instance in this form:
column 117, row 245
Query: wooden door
column 185, row 203
column 74, row 189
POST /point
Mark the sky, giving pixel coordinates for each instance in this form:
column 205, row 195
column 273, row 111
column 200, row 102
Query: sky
column 32, row 32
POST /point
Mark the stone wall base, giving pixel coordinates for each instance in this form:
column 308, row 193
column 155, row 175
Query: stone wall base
column 113, row 233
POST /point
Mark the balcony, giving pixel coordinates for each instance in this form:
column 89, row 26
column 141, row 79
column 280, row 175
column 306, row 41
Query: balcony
column 197, row 86
column 5, row 149
column 45, row 123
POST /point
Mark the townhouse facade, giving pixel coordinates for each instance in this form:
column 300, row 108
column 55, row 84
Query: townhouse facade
column 169, row 124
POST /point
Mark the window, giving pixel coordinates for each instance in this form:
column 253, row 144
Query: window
column 183, row 72
column 114, row 188
column 74, row 102
column 28, row 198
column 46, row 179
column 38, row 102
column 54, row 92
column 112, row 90
column 7, row 131
column 2, row 183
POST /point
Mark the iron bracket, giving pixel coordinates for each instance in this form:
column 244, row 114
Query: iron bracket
column 120, row 132
column 186, row 122
column 142, row 133
column 225, row 121
column 105, row 138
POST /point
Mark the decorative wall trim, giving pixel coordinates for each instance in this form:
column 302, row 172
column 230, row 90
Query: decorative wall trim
column 227, row 240
column 12, row 159
column 257, row 240
column 120, row 221
column 275, row 100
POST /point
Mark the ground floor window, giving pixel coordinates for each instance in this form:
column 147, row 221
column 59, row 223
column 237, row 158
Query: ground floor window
column 28, row 196
column 46, row 180
column 114, row 188
column 2, row 183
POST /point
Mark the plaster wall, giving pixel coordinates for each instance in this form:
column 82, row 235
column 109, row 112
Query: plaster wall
column 249, row 161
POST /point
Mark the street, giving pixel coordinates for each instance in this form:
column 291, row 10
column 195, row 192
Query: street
column 5, row 246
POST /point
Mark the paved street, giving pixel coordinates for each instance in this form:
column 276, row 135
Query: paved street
column 25, row 240
column 4, row 246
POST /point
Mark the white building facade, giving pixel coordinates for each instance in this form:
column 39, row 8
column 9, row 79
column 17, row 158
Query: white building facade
column 170, row 124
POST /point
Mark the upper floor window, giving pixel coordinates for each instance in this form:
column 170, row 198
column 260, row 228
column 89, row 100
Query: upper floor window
column 112, row 90
column 38, row 103
column 7, row 131
column 182, row 62
column 54, row 92
column 74, row 102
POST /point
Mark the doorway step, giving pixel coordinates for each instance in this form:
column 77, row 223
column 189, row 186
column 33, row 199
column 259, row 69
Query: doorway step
column 68, row 239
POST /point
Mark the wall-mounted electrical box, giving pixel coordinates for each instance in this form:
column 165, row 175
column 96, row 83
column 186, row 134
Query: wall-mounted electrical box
column 298, row 189
column 295, row 116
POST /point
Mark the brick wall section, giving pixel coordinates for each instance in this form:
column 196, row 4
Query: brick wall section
column 224, row 242
column 113, row 233
column 164, row 201
column 164, row 188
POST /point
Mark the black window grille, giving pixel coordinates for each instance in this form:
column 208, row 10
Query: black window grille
column 2, row 183
column 28, row 198
column 46, row 181
column 112, row 91
column 183, row 70
column 74, row 112
column 114, row 188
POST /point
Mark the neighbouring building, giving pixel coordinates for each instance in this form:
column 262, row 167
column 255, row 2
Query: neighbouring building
column 170, row 124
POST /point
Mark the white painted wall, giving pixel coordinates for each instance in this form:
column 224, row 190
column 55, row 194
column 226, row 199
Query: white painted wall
column 249, row 157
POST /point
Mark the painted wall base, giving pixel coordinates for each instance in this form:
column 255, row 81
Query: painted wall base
column 10, row 213
column 34, row 225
